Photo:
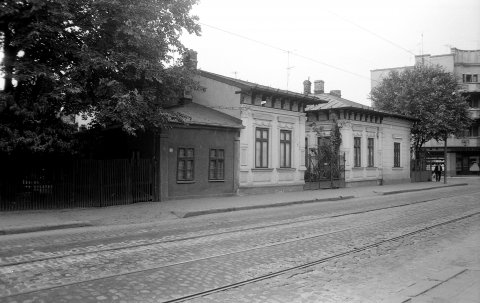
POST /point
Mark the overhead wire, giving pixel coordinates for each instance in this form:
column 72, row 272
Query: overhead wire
column 288, row 52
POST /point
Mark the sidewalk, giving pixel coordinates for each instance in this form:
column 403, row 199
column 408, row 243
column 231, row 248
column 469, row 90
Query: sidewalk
column 31, row 221
column 454, row 284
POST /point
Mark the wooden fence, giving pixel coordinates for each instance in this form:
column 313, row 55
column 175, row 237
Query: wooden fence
column 419, row 171
column 46, row 184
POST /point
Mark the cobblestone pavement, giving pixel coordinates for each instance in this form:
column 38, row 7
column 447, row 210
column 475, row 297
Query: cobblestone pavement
column 380, row 274
column 163, row 271
column 64, row 242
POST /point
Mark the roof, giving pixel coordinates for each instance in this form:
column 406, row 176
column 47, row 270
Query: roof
column 202, row 115
column 246, row 86
column 335, row 102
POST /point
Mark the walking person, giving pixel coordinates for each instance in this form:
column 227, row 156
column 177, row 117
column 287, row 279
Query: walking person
column 439, row 176
column 435, row 172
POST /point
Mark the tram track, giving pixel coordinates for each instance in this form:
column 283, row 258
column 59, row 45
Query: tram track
column 71, row 253
column 314, row 263
column 78, row 252
column 232, row 285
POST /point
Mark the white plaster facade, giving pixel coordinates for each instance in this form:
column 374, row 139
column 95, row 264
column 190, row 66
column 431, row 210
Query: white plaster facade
column 264, row 108
column 274, row 120
column 356, row 120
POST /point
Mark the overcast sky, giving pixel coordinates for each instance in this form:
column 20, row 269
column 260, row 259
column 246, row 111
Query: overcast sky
column 337, row 41
column 282, row 43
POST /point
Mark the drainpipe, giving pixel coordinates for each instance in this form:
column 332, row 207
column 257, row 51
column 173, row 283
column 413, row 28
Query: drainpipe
column 236, row 163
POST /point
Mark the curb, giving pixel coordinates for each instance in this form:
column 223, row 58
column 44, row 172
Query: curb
column 187, row 214
column 230, row 209
column 417, row 189
column 30, row 229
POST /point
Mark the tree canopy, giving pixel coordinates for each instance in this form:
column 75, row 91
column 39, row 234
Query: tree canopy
column 111, row 60
column 428, row 93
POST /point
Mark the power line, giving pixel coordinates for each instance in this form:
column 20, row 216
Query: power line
column 286, row 51
column 381, row 37
column 371, row 32
column 244, row 37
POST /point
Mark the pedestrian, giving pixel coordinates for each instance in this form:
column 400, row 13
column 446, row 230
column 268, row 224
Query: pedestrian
column 439, row 173
column 435, row 172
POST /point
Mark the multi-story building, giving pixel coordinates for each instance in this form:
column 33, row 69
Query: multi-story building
column 463, row 153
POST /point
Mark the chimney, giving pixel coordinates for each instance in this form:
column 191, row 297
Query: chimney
column 190, row 59
column 336, row 92
column 318, row 86
column 307, row 87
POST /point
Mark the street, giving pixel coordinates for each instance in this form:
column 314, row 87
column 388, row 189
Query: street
column 358, row 250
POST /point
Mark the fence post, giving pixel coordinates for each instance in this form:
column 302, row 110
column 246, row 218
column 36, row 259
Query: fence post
column 332, row 163
column 100, row 175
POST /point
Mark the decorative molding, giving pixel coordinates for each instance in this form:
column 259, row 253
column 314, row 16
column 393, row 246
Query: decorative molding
column 262, row 169
column 263, row 116
column 286, row 119
column 286, row 169
column 285, row 125
column 345, row 124
column 263, row 123
column 357, row 133
column 358, row 128
column 371, row 135
column 243, row 156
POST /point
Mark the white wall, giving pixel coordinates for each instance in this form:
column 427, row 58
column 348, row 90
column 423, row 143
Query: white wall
column 384, row 135
column 219, row 96
column 274, row 120
column 396, row 130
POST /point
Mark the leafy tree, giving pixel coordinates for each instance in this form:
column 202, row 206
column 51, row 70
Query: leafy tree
column 335, row 136
column 112, row 60
column 327, row 152
column 428, row 93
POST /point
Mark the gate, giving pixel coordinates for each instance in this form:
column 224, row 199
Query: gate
column 421, row 168
column 324, row 170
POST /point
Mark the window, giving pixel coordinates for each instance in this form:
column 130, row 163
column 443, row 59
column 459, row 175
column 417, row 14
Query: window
column 473, row 131
column 261, row 147
column 473, row 101
column 216, row 167
column 467, row 78
column 396, row 154
column 371, row 162
column 357, row 151
column 185, row 164
column 285, row 148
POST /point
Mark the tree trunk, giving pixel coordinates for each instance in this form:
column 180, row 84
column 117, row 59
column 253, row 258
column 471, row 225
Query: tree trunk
column 445, row 161
column 9, row 54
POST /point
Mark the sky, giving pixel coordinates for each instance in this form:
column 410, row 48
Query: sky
column 282, row 43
